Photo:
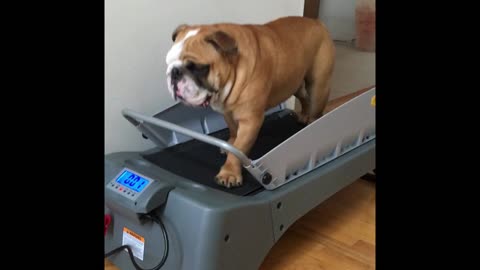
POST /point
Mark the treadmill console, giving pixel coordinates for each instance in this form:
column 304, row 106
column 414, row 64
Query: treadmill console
column 135, row 193
column 129, row 184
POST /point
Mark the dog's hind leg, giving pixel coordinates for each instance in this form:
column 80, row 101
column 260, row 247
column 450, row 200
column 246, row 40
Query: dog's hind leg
column 318, row 81
column 303, row 98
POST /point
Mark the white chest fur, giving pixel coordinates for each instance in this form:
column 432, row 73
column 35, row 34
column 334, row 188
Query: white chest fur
column 217, row 103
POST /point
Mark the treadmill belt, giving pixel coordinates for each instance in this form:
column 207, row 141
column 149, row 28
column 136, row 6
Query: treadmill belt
column 200, row 162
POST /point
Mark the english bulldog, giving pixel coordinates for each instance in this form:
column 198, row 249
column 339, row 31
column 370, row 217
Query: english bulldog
column 242, row 70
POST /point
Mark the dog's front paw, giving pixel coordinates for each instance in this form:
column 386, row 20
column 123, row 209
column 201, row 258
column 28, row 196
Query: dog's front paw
column 229, row 178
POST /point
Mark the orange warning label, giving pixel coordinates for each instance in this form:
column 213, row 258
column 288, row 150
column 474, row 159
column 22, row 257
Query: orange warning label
column 126, row 230
column 134, row 241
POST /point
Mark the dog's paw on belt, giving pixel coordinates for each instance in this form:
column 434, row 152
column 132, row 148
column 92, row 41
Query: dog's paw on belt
column 229, row 179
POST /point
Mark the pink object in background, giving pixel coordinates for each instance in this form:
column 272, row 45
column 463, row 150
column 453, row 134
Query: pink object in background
column 365, row 25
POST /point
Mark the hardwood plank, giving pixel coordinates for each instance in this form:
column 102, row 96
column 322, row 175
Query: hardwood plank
column 365, row 248
column 339, row 233
column 332, row 104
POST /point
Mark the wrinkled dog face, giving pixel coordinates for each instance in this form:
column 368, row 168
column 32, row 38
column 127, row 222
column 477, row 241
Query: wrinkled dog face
column 199, row 63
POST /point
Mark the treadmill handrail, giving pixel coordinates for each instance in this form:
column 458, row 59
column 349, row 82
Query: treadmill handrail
column 185, row 131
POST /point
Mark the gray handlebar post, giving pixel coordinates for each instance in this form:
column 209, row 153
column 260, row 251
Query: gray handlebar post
column 196, row 135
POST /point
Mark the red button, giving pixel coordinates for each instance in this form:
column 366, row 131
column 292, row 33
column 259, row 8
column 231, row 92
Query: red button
column 108, row 219
column 120, row 189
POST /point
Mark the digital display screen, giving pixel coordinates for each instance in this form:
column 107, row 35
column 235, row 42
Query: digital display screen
column 132, row 181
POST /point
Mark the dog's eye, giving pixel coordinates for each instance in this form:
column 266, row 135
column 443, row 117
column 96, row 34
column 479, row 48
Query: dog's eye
column 198, row 69
column 190, row 66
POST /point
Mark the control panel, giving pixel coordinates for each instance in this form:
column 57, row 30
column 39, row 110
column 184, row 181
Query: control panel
column 129, row 184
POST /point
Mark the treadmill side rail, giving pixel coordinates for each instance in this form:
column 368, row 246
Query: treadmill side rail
column 338, row 132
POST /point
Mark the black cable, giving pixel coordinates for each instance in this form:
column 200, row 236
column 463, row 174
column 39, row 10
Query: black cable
column 130, row 253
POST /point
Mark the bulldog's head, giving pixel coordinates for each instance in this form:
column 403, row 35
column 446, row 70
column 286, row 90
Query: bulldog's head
column 201, row 65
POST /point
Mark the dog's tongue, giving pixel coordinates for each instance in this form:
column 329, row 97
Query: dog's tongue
column 206, row 102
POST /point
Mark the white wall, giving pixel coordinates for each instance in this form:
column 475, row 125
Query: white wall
column 339, row 17
column 137, row 38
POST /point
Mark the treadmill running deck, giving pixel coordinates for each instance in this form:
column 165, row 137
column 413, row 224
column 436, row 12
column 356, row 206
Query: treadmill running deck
column 200, row 162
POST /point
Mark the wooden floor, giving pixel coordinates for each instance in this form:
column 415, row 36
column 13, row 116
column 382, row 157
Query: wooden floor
column 338, row 234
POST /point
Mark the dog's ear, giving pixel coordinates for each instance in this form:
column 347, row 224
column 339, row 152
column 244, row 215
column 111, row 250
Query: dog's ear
column 177, row 30
column 222, row 42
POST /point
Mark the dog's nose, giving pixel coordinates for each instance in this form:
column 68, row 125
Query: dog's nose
column 176, row 74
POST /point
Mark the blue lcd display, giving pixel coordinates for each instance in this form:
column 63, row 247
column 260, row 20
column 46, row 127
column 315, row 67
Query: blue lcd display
column 132, row 181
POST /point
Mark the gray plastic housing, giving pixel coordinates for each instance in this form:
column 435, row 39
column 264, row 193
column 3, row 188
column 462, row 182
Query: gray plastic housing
column 212, row 230
column 209, row 229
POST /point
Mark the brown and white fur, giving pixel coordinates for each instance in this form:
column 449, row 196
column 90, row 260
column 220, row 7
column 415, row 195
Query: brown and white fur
column 243, row 70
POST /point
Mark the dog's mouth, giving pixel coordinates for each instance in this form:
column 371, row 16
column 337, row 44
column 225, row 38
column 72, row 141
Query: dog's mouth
column 190, row 92
column 206, row 102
